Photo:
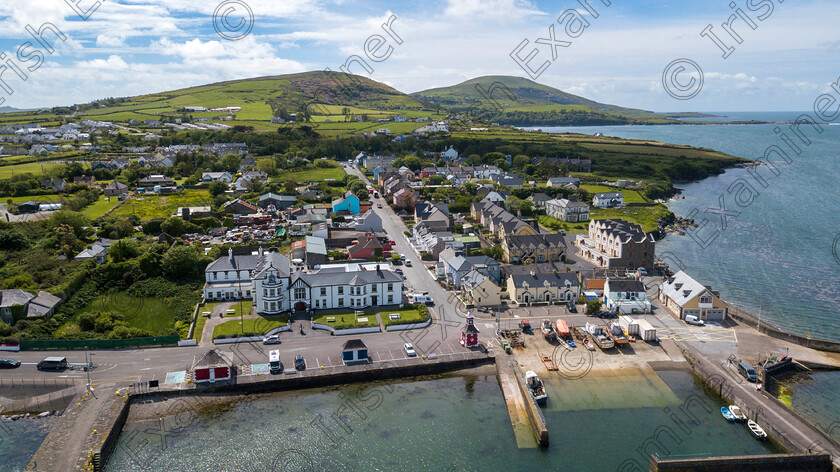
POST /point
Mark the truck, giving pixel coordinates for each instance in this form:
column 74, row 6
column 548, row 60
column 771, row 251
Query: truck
column 646, row 331
column 629, row 325
column 274, row 364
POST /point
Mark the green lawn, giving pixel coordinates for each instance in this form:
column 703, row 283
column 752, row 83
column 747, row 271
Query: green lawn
column 647, row 216
column 149, row 313
column 630, row 196
column 200, row 321
column 243, row 309
column 555, row 224
column 100, row 207
column 38, row 169
column 255, row 326
column 311, row 175
column 349, row 320
column 163, row 206
column 407, row 316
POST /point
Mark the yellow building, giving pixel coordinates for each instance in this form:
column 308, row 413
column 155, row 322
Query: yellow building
column 685, row 296
column 478, row 290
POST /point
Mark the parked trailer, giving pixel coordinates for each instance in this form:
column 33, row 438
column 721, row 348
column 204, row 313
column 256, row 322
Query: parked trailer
column 629, row 325
column 646, row 331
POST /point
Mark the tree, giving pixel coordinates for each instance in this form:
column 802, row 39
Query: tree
column 183, row 262
column 78, row 222
column 217, row 188
column 231, row 162
column 592, row 306
column 174, row 226
column 123, row 250
column 13, row 240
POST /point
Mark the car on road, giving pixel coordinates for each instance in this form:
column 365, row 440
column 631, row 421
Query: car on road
column 9, row 363
column 378, row 205
column 408, row 262
column 55, row 363
column 693, row 320
column 484, row 309
column 300, row 364
column 409, row 350
column 273, row 339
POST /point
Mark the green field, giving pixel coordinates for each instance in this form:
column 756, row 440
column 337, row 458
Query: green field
column 311, row 175
column 260, row 325
column 38, row 169
column 349, row 320
column 630, row 196
column 647, row 216
column 148, row 313
column 150, row 206
column 407, row 315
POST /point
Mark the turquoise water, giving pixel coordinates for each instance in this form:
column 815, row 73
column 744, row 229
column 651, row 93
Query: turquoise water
column 780, row 255
column 447, row 424
column 19, row 440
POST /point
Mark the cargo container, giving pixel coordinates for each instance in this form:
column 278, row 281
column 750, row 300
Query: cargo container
column 629, row 325
column 646, row 331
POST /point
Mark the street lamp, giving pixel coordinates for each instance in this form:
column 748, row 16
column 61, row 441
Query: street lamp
column 87, row 368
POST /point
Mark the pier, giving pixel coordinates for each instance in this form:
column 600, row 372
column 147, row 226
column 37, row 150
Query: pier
column 523, row 410
column 762, row 463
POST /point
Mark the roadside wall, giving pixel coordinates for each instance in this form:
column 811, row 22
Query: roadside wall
column 770, row 330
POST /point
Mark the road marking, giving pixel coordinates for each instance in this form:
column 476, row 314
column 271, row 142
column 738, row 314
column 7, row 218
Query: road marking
column 147, row 368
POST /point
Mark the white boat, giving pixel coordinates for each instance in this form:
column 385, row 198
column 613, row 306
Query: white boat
column 737, row 413
column 535, row 385
column 756, row 430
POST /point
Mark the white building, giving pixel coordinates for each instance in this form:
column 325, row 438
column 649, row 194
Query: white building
column 608, row 200
column 625, row 296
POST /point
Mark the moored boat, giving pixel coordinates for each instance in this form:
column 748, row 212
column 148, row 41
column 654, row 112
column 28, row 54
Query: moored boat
column 737, row 413
column 535, row 385
column 727, row 414
column 756, row 430
column 547, row 330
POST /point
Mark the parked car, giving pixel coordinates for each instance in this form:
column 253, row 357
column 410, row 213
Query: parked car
column 642, row 272
column 409, row 350
column 408, row 262
column 378, row 205
column 9, row 363
column 300, row 364
column 273, row 339
column 693, row 320
column 572, row 307
column 747, row 372
column 399, row 272
column 484, row 309
column 275, row 366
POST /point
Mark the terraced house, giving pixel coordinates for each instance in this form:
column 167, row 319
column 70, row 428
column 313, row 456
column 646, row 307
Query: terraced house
column 531, row 248
column 543, row 288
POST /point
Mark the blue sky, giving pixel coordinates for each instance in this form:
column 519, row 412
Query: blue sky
column 130, row 47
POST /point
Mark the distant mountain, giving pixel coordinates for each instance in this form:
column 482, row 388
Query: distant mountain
column 12, row 109
column 523, row 102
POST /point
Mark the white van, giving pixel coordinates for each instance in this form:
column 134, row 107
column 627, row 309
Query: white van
column 274, row 364
column 693, row 320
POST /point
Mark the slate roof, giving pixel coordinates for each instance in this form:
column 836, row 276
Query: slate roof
column 212, row 359
column 534, row 241
column 539, row 279
column 269, row 260
column 329, row 276
column 682, row 288
column 9, row 298
column 622, row 229
column 354, row 344
column 625, row 285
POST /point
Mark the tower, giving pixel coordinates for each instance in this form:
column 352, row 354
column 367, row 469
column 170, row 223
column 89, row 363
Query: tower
column 469, row 335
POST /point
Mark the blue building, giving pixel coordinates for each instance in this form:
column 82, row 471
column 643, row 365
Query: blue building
column 348, row 202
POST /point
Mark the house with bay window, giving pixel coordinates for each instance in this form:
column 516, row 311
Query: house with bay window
column 345, row 286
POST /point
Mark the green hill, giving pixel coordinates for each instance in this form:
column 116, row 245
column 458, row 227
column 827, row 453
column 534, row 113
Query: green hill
column 323, row 96
column 523, row 102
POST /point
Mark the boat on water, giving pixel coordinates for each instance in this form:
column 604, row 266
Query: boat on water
column 589, row 344
column 617, row 334
column 756, row 430
column 535, row 385
column 599, row 336
column 561, row 328
column 727, row 414
column 548, row 330
column 736, row 411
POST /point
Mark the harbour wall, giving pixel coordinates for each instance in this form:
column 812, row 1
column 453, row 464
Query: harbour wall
column 763, row 463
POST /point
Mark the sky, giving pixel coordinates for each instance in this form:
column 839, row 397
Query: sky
column 617, row 54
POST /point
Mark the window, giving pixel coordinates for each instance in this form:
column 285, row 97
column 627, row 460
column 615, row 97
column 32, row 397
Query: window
column 706, row 299
column 271, row 292
column 341, row 290
column 273, row 306
column 373, row 288
column 215, row 276
column 265, row 305
column 226, row 274
column 390, row 287
column 390, row 299
column 265, row 292
column 300, row 293
column 340, row 302
column 247, row 294
column 323, row 291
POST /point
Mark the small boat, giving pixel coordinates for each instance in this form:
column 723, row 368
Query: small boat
column 535, row 385
column 561, row 328
column 737, row 413
column 548, row 331
column 571, row 343
column 588, row 344
column 756, row 430
column 599, row 336
column 727, row 414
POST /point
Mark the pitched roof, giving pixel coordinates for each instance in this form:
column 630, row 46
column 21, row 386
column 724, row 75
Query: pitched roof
column 9, row 298
column 624, row 285
column 339, row 276
column 354, row 344
column 554, row 279
column 621, row 229
column 534, row 241
column 682, row 288
column 213, row 358
column 608, row 195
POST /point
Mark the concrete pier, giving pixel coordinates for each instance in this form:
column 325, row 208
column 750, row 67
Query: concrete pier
column 763, row 463
column 522, row 408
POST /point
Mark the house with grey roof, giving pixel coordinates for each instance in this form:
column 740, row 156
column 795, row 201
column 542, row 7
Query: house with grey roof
column 281, row 202
column 543, row 288
column 347, row 286
column 567, row 209
column 616, row 243
column 17, row 304
column 455, row 265
column 563, row 182
column 626, row 296
column 368, row 221
column 608, row 200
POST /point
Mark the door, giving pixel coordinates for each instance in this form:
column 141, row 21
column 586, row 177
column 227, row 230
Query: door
column 714, row 315
column 374, row 300
column 692, row 312
column 300, row 306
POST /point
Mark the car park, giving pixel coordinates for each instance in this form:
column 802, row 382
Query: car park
column 273, row 339
column 409, row 350
column 300, row 364
column 9, row 363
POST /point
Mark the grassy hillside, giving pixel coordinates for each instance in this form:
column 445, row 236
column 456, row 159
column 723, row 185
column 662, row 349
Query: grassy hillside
column 519, row 101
